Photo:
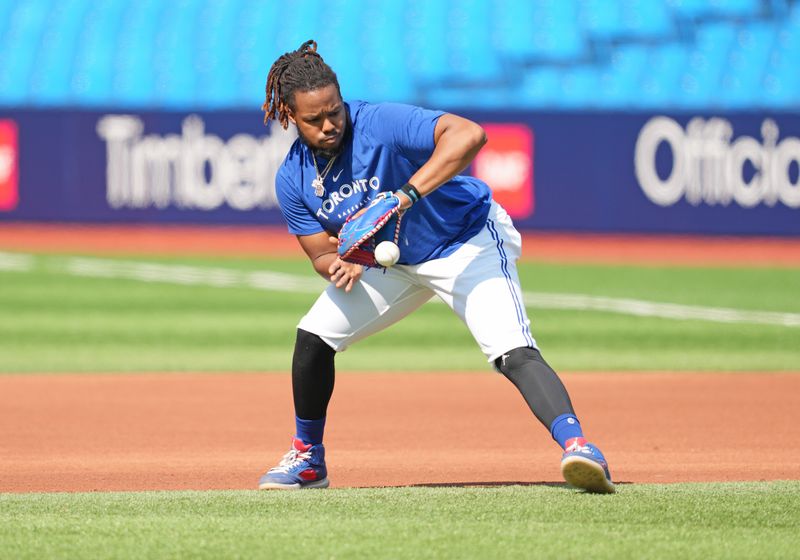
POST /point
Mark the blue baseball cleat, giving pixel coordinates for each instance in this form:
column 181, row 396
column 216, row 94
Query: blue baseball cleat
column 583, row 466
column 302, row 467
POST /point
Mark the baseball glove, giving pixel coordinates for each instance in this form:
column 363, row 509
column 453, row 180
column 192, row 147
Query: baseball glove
column 363, row 230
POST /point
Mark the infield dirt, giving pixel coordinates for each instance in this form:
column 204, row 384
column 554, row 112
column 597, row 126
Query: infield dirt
column 186, row 431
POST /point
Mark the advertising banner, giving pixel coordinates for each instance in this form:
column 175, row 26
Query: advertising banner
column 150, row 167
column 506, row 163
column 605, row 172
column 732, row 173
column 9, row 189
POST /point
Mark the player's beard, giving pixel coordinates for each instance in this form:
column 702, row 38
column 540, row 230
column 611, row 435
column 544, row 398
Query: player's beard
column 328, row 153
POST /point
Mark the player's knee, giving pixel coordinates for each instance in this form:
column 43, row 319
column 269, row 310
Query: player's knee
column 311, row 345
column 516, row 359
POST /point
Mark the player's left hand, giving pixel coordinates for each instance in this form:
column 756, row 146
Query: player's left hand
column 361, row 231
column 345, row 274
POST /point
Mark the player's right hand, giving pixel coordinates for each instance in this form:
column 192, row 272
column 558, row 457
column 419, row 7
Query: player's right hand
column 345, row 274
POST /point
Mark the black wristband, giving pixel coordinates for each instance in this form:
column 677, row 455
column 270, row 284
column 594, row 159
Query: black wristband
column 411, row 192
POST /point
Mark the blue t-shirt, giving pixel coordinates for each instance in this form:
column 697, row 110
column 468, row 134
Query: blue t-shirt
column 388, row 144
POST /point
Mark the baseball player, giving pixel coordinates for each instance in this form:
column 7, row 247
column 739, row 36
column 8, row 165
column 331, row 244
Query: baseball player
column 401, row 163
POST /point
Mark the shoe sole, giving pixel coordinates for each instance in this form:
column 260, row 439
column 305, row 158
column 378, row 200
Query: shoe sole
column 324, row 483
column 586, row 474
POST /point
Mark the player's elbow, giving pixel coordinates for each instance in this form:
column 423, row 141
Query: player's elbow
column 467, row 133
column 477, row 136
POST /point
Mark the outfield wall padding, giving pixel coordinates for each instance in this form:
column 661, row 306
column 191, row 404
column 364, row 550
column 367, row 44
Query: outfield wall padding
column 720, row 173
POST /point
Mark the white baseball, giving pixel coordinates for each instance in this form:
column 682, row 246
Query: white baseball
column 387, row 253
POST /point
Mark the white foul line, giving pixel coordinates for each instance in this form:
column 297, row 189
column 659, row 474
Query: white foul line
column 654, row 309
column 193, row 275
column 16, row 262
column 279, row 281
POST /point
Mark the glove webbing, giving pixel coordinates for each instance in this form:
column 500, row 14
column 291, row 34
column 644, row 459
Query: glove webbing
column 396, row 237
column 365, row 254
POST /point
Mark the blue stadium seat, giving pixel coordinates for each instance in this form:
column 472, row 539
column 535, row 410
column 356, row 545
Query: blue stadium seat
column 176, row 84
column 748, row 60
column 455, row 99
column 646, row 19
column 601, row 19
column 133, row 82
column 781, row 78
column 298, row 21
column 700, row 84
column 7, row 8
column 579, row 87
column 564, row 39
column 22, row 36
column 52, row 68
column 666, row 65
column 344, row 47
column 93, row 71
column 621, row 81
column 383, row 62
column 537, row 31
column 716, row 8
column 513, row 24
column 254, row 50
column 215, row 71
column 426, row 52
column 625, row 20
column 467, row 36
column 539, row 88
column 544, row 54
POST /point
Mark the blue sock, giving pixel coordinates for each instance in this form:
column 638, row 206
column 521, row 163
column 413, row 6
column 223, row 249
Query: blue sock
column 310, row 431
column 565, row 427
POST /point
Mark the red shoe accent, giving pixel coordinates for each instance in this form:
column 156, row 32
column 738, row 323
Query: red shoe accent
column 309, row 475
column 574, row 443
column 300, row 445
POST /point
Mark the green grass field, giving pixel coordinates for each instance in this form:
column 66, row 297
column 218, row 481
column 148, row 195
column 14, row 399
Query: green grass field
column 747, row 520
column 62, row 313
column 54, row 320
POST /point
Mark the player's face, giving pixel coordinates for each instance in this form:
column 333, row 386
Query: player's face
column 321, row 118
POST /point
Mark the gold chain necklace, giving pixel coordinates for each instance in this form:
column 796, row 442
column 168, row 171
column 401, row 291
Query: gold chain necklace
column 319, row 182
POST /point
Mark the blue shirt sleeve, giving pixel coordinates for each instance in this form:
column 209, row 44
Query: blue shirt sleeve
column 406, row 129
column 298, row 218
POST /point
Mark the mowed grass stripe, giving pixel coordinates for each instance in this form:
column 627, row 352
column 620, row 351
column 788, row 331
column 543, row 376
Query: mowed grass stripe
column 715, row 520
column 277, row 281
column 54, row 321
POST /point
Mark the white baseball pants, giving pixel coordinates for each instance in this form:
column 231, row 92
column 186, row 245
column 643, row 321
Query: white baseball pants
column 478, row 281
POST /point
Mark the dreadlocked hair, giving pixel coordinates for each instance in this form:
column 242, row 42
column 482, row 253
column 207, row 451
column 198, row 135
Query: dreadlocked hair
column 300, row 70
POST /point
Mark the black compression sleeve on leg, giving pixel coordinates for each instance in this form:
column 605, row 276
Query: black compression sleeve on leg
column 539, row 384
column 313, row 375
